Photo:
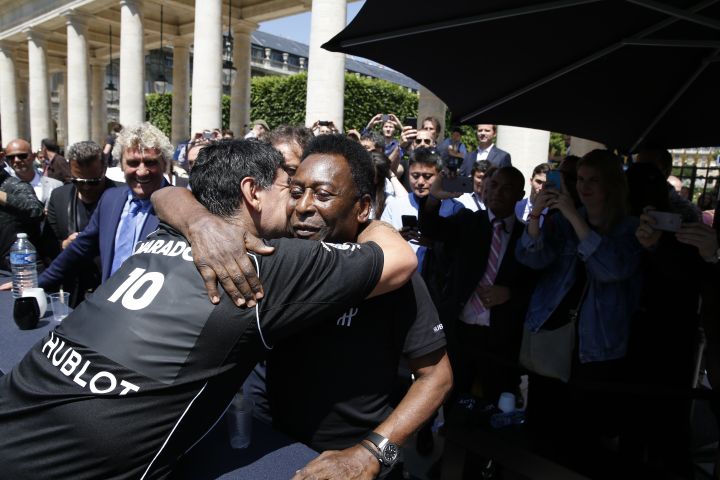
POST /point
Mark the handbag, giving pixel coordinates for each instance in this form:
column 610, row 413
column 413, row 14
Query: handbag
column 550, row 352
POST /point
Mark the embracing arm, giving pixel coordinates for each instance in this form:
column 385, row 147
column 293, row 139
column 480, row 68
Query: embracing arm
column 399, row 260
column 217, row 253
column 433, row 381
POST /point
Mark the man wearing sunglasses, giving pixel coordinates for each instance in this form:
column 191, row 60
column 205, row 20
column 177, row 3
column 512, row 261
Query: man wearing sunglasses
column 69, row 211
column 20, row 157
column 123, row 216
column 20, row 211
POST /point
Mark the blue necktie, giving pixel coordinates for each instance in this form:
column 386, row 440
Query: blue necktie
column 126, row 237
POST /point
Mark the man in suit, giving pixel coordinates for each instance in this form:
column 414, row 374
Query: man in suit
column 69, row 211
column 486, row 150
column 487, row 290
column 123, row 215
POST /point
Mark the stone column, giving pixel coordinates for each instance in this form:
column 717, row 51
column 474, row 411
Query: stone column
column 78, row 76
column 99, row 107
column 326, row 70
column 240, row 95
column 39, row 88
column 431, row 106
column 527, row 147
column 62, row 122
column 180, row 91
column 132, row 63
column 8, row 95
column 207, row 67
column 581, row 146
column 23, row 107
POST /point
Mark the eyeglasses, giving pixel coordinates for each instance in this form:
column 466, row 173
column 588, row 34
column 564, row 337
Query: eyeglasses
column 149, row 163
column 87, row 181
column 426, row 141
column 19, row 156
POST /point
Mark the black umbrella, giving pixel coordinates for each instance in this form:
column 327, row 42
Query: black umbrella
column 624, row 73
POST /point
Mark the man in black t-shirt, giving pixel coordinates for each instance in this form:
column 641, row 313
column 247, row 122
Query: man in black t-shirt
column 346, row 367
column 143, row 368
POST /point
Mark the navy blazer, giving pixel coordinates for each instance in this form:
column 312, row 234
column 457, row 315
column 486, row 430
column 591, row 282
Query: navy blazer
column 98, row 238
column 497, row 157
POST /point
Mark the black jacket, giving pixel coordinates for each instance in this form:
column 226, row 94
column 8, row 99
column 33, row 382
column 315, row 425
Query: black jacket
column 21, row 212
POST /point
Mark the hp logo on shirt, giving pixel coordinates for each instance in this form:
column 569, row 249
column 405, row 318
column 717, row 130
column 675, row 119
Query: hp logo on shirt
column 346, row 319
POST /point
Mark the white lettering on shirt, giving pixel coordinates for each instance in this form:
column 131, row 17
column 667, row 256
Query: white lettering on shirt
column 54, row 346
column 168, row 249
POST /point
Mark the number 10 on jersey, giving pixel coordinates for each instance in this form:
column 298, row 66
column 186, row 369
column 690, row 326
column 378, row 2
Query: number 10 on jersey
column 130, row 287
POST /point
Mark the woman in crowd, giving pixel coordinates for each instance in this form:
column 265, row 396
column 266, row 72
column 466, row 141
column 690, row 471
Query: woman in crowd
column 590, row 261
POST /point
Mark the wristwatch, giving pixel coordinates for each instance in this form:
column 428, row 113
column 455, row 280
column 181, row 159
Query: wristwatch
column 386, row 453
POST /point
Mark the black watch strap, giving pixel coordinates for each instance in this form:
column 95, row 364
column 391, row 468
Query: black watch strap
column 375, row 453
column 376, row 439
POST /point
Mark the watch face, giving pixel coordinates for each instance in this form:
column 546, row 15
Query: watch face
column 390, row 453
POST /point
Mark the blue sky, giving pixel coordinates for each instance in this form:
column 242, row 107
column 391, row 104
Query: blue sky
column 297, row 27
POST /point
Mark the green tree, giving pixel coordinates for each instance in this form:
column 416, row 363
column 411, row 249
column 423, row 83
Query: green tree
column 158, row 111
column 281, row 100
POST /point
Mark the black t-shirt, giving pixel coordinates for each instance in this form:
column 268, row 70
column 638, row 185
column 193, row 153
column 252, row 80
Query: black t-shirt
column 331, row 385
column 146, row 365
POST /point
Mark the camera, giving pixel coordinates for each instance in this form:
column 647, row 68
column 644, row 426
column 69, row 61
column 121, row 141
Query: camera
column 324, row 123
column 207, row 135
column 385, row 117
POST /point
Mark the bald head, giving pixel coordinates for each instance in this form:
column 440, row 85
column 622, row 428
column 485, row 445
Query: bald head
column 19, row 143
column 19, row 156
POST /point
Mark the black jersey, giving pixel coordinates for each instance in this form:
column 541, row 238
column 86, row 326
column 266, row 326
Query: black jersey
column 348, row 367
column 143, row 368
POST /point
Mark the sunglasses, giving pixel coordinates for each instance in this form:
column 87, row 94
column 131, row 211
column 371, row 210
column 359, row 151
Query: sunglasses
column 420, row 141
column 20, row 156
column 87, row 181
column 136, row 163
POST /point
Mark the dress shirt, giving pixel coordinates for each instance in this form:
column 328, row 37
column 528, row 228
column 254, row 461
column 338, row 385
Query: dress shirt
column 484, row 318
column 483, row 154
column 472, row 201
column 140, row 218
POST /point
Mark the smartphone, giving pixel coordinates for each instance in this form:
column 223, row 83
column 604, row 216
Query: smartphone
column 385, row 117
column 207, row 135
column 666, row 221
column 324, row 123
column 409, row 221
column 410, row 122
column 457, row 184
column 554, row 180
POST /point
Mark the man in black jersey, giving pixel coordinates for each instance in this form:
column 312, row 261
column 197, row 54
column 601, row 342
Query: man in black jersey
column 346, row 367
column 141, row 370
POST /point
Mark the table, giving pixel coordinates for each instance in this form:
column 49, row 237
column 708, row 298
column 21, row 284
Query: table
column 271, row 455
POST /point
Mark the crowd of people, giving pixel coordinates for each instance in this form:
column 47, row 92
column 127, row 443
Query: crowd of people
column 448, row 309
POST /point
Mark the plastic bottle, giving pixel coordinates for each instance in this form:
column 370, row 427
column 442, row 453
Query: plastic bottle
column 500, row 420
column 23, row 257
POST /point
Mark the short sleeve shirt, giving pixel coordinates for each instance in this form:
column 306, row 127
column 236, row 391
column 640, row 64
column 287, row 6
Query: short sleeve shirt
column 146, row 365
column 331, row 385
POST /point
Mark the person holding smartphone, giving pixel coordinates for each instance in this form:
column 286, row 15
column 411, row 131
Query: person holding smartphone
column 589, row 264
column 424, row 169
column 538, row 180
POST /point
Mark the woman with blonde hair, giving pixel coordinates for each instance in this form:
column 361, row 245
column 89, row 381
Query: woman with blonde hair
column 589, row 260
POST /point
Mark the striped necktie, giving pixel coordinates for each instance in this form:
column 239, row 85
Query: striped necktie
column 491, row 270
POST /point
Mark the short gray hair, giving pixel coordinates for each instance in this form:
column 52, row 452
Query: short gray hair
column 143, row 136
column 84, row 153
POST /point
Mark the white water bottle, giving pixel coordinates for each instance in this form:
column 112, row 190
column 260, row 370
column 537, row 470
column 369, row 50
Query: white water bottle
column 23, row 258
